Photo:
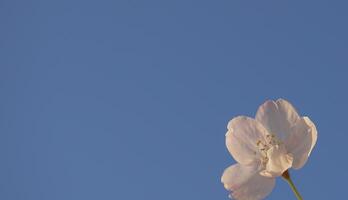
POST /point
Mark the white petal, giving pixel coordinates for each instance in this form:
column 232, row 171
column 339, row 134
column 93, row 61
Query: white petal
column 241, row 139
column 277, row 117
column 301, row 142
column 278, row 161
column 236, row 175
column 314, row 133
column 245, row 183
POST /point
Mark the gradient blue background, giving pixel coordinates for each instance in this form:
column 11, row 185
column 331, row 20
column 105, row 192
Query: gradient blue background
column 130, row 99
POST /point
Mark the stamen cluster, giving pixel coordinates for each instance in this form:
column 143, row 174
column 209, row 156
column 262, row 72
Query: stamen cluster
column 263, row 146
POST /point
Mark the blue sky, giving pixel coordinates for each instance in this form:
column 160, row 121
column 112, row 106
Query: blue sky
column 130, row 99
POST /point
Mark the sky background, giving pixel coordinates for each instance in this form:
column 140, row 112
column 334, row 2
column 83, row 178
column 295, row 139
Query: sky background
column 127, row 99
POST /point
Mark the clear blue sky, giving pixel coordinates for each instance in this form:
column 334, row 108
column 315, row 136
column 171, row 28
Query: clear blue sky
column 130, row 99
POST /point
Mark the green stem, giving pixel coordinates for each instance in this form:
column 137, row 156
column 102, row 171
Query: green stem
column 286, row 176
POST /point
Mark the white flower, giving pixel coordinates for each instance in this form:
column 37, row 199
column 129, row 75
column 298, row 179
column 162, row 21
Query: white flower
column 265, row 147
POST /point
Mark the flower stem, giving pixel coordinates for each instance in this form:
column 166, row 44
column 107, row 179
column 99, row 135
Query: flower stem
column 286, row 176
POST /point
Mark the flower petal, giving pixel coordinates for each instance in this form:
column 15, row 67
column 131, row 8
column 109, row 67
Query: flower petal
column 246, row 183
column 236, row 175
column 277, row 117
column 301, row 142
column 242, row 137
column 314, row 133
column 278, row 161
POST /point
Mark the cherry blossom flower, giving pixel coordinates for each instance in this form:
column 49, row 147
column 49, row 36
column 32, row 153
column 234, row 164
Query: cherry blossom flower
column 265, row 148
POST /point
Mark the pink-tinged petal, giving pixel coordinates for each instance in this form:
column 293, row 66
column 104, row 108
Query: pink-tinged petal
column 301, row 142
column 236, row 175
column 278, row 161
column 246, row 183
column 314, row 133
column 277, row 117
column 242, row 137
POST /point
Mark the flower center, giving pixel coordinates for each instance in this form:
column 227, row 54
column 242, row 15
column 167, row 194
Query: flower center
column 264, row 146
column 274, row 158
